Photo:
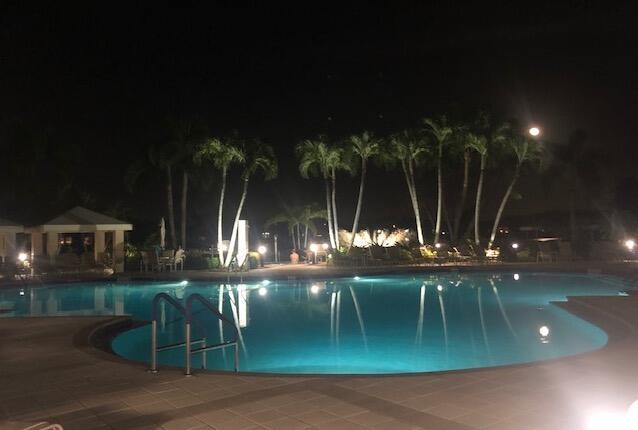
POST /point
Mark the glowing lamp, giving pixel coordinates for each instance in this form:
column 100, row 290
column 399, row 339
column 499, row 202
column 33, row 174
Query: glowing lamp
column 439, row 288
column 437, row 245
column 544, row 331
column 630, row 244
column 261, row 249
column 314, row 247
column 22, row 257
column 314, row 289
column 515, row 245
column 534, row 131
column 517, row 276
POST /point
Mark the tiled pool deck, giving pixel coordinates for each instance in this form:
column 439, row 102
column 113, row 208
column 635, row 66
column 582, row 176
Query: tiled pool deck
column 49, row 372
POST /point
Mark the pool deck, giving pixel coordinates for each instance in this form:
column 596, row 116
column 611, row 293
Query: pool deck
column 49, row 371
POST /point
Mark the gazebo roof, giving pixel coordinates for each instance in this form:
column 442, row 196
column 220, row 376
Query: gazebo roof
column 83, row 219
column 6, row 225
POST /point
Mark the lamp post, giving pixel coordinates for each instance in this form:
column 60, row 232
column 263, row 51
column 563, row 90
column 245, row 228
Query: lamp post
column 314, row 248
column 262, row 252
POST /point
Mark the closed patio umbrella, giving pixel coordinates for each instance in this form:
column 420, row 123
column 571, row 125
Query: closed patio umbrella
column 162, row 227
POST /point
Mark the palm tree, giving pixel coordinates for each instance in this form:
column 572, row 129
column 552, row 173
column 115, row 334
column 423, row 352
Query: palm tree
column 307, row 214
column 259, row 157
column 525, row 149
column 164, row 157
column 186, row 138
column 442, row 134
column 365, row 146
column 337, row 160
column 408, row 148
column 222, row 154
column 316, row 159
column 295, row 217
column 461, row 144
column 479, row 144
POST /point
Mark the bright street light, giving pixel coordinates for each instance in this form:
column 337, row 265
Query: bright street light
column 22, row 257
column 314, row 247
column 534, row 131
column 630, row 244
column 262, row 249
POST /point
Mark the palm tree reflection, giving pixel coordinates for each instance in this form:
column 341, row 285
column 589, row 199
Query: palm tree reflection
column 419, row 326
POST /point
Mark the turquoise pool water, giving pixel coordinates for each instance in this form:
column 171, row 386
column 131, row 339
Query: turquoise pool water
column 367, row 325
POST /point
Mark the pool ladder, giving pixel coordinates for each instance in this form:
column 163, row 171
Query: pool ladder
column 187, row 313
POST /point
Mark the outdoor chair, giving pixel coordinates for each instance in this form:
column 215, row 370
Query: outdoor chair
column 178, row 259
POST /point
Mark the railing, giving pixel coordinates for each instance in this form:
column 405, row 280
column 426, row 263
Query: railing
column 187, row 313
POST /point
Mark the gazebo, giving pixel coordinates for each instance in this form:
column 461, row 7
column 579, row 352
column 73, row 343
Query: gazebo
column 82, row 231
column 8, row 231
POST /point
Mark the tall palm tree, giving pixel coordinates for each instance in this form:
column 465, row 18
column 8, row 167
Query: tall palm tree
column 442, row 133
column 222, row 154
column 365, row 146
column 316, row 160
column 187, row 136
column 295, row 217
column 525, row 149
column 461, row 144
column 306, row 217
column 259, row 157
column 478, row 143
column 338, row 159
column 164, row 157
column 409, row 149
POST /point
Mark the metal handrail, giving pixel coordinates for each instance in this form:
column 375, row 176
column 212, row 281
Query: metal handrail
column 187, row 313
column 189, row 318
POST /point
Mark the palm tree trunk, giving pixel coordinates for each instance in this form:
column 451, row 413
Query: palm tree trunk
column 459, row 209
column 409, row 178
column 334, row 208
column 502, row 206
column 305, row 238
column 477, row 205
column 169, row 201
column 184, row 207
column 355, row 223
column 298, row 237
column 329, row 210
column 439, row 205
column 220, row 212
column 233, row 235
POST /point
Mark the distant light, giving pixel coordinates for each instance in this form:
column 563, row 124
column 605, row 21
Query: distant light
column 262, row 291
column 265, row 282
column 544, row 331
column 437, row 245
column 534, row 131
column 23, row 257
column 183, row 283
column 314, row 289
column 517, row 276
column 22, row 292
column 356, row 278
column 262, row 249
column 314, row 247
column 325, row 246
column 630, row 244
column 515, row 245
column 439, row 288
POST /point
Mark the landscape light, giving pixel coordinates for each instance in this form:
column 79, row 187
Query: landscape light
column 534, row 131
column 314, row 247
column 325, row 246
column 515, row 245
column 262, row 249
column 314, row 289
column 21, row 292
column 262, row 291
column 22, row 257
column 437, row 245
column 630, row 244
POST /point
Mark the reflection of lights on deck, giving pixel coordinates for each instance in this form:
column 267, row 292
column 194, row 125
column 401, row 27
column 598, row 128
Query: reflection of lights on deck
column 517, row 276
column 607, row 420
column 262, row 291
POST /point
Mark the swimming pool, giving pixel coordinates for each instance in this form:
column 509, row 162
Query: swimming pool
column 369, row 325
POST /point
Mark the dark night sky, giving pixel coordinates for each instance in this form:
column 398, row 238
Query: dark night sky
column 103, row 77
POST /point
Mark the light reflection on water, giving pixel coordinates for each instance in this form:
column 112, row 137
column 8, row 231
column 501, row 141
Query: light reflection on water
column 380, row 324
